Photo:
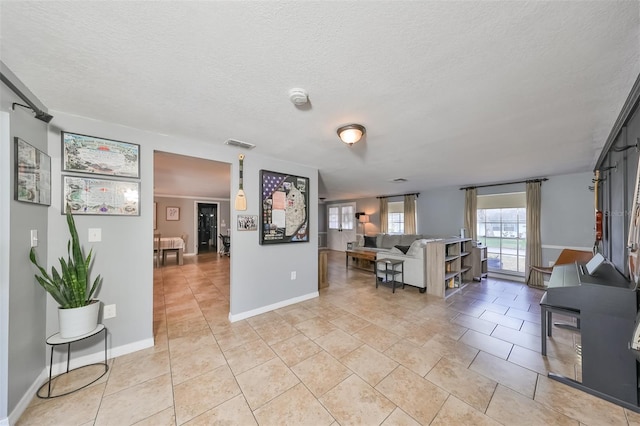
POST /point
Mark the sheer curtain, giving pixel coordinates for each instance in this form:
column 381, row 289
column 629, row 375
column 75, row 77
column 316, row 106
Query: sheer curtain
column 384, row 216
column 410, row 214
column 470, row 214
column 534, row 242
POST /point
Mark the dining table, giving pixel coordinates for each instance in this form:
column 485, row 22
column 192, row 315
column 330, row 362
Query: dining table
column 172, row 244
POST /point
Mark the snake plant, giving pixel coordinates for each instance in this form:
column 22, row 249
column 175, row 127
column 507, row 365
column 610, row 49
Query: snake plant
column 71, row 289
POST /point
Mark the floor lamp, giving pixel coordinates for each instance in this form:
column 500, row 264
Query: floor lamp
column 363, row 219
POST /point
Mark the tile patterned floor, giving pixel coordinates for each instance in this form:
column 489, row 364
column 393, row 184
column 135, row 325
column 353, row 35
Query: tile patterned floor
column 355, row 355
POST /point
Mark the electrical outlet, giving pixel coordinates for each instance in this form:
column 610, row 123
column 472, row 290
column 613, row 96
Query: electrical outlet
column 293, row 275
column 109, row 311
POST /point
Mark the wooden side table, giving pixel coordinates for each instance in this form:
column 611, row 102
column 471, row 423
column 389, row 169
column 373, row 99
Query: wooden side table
column 388, row 274
column 56, row 340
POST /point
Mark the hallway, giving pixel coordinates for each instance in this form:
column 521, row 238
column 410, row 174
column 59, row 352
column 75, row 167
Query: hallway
column 355, row 355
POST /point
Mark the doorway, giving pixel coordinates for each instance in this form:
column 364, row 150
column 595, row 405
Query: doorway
column 341, row 225
column 207, row 228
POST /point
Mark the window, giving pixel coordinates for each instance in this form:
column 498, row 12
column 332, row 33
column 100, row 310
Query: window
column 341, row 217
column 334, row 218
column 502, row 228
column 395, row 217
column 347, row 217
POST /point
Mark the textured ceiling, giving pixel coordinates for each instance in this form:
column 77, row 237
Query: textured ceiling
column 451, row 93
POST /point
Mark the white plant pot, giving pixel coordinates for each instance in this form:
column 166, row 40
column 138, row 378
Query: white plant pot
column 75, row 322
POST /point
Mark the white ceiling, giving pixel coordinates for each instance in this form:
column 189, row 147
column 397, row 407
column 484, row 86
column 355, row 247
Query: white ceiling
column 451, row 93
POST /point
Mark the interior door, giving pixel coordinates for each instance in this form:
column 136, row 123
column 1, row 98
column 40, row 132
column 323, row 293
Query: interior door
column 341, row 228
column 207, row 227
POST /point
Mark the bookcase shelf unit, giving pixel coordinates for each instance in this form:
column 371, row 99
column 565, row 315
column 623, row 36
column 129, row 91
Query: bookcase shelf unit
column 479, row 268
column 449, row 266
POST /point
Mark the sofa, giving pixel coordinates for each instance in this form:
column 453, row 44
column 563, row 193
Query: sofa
column 410, row 248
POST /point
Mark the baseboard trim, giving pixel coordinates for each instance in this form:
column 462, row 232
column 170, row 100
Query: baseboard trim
column 272, row 307
column 509, row 277
column 62, row 367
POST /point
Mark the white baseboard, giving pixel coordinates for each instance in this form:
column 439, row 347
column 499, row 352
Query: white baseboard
column 62, row 367
column 509, row 277
column 262, row 310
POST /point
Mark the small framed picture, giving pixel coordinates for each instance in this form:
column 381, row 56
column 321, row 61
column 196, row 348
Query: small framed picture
column 33, row 174
column 173, row 213
column 247, row 222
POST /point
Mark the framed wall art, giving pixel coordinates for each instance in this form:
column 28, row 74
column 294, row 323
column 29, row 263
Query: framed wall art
column 284, row 210
column 90, row 154
column 33, row 174
column 94, row 196
column 247, row 222
column 173, row 213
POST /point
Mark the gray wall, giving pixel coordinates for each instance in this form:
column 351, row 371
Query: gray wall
column 124, row 257
column 440, row 212
column 186, row 224
column 23, row 329
column 567, row 212
column 260, row 274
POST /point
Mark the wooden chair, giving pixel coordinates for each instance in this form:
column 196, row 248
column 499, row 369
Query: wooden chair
column 225, row 250
column 566, row 256
column 157, row 249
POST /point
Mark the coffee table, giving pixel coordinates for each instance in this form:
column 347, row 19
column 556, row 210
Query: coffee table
column 362, row 256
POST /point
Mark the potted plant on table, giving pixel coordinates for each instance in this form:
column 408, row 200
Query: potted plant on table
column 78, row 312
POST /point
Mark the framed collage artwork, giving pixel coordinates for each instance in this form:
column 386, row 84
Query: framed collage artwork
column 284, row 208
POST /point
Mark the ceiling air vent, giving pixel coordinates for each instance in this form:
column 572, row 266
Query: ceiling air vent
column 239, row 144
column 398, row 180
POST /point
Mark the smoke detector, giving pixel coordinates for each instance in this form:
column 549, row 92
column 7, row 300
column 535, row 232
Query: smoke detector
column 298, row 97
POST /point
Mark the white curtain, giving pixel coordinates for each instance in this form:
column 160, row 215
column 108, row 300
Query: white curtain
column 384, row 216
column 470, row 212
column 410, row 214
column 534, row 242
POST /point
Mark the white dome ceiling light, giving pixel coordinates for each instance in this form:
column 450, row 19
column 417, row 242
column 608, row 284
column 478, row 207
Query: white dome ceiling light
column 298, row 97
column 351, row 133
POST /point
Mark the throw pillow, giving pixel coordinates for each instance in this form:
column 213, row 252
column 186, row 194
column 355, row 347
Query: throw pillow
column 369, row 241
column 403, row 249
column 416, row 246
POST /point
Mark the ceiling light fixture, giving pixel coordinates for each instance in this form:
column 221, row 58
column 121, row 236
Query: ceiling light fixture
column 351, row 133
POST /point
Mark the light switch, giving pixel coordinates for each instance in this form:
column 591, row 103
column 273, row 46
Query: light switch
column 34, row 238
column 95, row 235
